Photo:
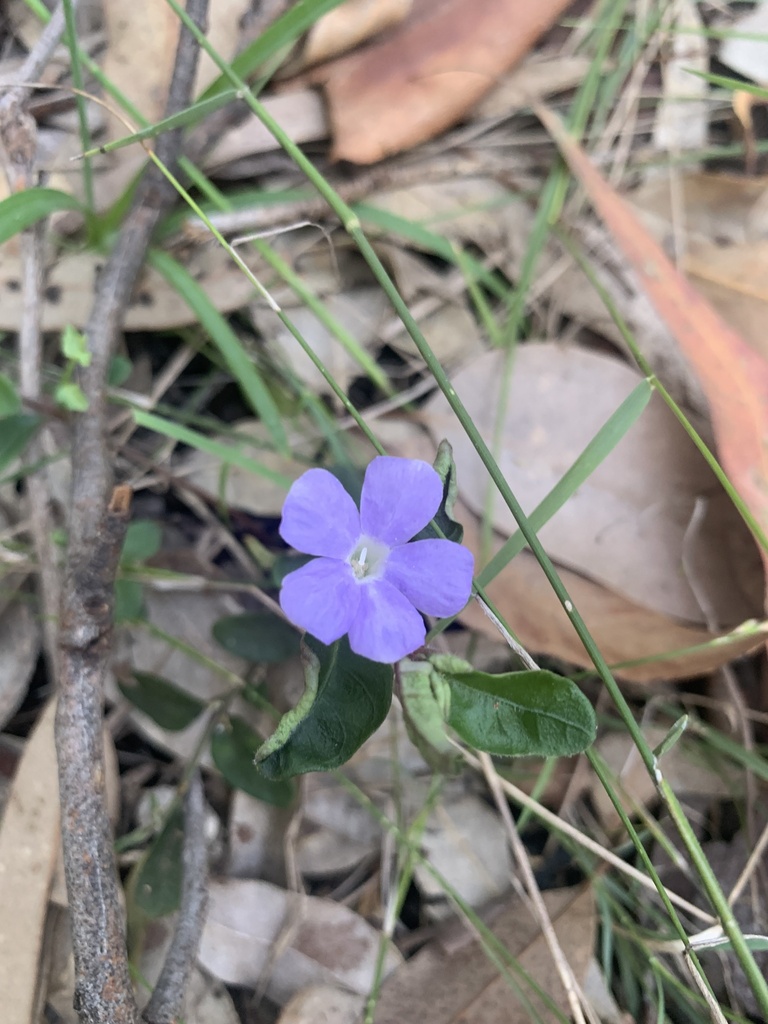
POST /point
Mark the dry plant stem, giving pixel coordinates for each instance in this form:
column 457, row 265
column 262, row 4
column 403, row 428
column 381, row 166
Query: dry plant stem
column 166, row 1003
column 103, row 989
column 534, row 894
column 18, row 133
column 30, row 353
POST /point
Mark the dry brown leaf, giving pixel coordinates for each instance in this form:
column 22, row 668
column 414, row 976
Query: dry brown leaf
column 622, row 630
column 720, row 223
column 253, row 927
column 69, row 290
column 423, row 77
column 625, row 527
column 29, row 844
column 350, row 24
column 433, row 988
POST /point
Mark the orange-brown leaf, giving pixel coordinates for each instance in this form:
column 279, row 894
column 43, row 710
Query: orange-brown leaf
column 733, row 375
column 422, row 78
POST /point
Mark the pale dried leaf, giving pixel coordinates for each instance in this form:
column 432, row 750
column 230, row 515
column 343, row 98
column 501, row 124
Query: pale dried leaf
column 433, row 988
column 29, row 843
column 338, row 833
column 360, row 310
column 323, row 1004
column 537, row 78
column 467, row 843
column 350, row 24
column 625, row 526
column 224, row 33
column 682, row 116
column 748, row 56
column 252, row 926
column 69, row 290
column 300, row 113
column 20, row 643
column 256, row 835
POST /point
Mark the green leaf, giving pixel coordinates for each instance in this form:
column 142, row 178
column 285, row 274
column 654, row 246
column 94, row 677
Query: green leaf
column 346, row 699
column 70, row 396
column 601, row 445
column 120, row 369
column 15, row 434
column 258, row 637
column 10, row 403
column 23, row 209
column 167, row 705
column 426, row 699
column 129, row 601
column 233, row 748
column 519, row 713
column 158, row 879
column 239, row 363
column 74, row 346
column 142, row 540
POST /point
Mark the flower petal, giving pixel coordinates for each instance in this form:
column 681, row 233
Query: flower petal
column 321, row 597
column 435, row 575
column 319, row 517
column 399, row 498
column 387, row 627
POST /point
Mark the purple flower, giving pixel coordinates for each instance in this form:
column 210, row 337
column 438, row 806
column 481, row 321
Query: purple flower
column 367, row 580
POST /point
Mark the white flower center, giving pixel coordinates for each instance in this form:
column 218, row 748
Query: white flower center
column 368, row 559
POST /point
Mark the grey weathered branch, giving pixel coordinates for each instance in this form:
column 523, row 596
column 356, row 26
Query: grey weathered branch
column 103, row 989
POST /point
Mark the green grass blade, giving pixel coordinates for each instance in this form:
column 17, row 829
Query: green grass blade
column 228, row 454
column 184, row 119
column 296, row 20
column 23, row 209
column 226, row 341
column 603, row 443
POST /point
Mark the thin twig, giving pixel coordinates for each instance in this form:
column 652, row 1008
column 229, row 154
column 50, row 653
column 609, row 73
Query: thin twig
column 18, row 134
column 166, row 1003
column 103, row 990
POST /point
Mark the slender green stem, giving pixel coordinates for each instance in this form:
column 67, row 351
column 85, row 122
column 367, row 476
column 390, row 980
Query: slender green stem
column 82, row 110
